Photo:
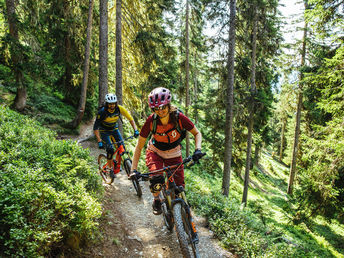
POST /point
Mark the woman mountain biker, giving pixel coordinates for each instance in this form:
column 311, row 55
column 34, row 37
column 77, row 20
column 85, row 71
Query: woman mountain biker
column 106, row 125
column 164, row 147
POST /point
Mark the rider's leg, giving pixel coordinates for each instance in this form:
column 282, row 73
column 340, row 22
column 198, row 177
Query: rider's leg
column 153, row 162
column 118, row 137
column 179, row 175
column 109, row 147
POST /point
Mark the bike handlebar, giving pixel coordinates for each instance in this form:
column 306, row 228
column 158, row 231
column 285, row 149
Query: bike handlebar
column 125, row 139
column 189, row 161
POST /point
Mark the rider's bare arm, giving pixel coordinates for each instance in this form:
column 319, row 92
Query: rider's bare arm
column 132, row 122
column 97, row 134
column 137, row 153
column 198, row 138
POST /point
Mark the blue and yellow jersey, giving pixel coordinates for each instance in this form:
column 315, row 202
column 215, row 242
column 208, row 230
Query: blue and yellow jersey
column 107, row 120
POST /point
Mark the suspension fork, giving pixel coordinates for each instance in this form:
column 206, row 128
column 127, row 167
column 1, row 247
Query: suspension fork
column 182, row 200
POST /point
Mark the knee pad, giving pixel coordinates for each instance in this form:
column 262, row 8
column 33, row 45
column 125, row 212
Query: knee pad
column 109, row 152
column 156, row 183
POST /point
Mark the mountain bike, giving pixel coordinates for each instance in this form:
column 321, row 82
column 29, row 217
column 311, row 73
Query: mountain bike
column 175, row 208
column 105, row 170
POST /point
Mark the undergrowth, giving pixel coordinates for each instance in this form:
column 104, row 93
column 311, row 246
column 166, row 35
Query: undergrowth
column 48, row 189
column 252, row 231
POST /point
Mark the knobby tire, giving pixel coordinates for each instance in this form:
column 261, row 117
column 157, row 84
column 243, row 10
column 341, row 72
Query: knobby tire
column 134, row 180
column 167, row 214
column 104, row 171
column 183, row 230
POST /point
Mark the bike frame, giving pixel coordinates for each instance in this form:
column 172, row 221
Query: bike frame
column 170, row 187
column 119, row 152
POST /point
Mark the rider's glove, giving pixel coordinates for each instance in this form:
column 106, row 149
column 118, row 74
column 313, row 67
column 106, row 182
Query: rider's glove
column 136, row 133
column 197, row 155
column 132, row 174
column 100, row 145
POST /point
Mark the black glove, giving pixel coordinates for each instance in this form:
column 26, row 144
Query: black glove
column 197, row 155
column 100, row 145
column 136, row 133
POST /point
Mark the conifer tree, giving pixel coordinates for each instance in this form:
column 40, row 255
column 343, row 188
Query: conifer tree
column 229, row 101
column 16, row 55
column 103, row 51
column 82, row 101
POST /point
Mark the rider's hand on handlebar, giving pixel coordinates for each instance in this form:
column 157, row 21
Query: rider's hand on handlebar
column 100, row 145
column 132, row 174
column 136, row 133
column 197, row 155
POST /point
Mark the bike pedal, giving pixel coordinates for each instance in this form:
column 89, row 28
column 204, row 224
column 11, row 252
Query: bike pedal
column 195, row 239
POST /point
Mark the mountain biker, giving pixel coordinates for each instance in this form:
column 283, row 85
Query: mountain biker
column 106, row 125
column 164, row 147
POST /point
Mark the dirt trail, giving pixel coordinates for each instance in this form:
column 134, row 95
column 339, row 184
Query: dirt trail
column 130, row 229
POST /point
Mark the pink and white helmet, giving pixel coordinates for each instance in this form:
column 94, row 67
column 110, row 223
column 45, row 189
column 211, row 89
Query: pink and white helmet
column 159, row 97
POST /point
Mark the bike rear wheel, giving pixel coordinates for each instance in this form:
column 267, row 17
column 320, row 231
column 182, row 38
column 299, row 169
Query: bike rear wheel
column 104, row 169
column 135, row 181
column 184, row 231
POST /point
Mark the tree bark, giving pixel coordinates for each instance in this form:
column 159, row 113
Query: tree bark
column 103, row 51
column 256, row 154
column 251, row 107
column 16, row 56
column 82, row 101
column 229, row 101
column 67, row 79
column 282, row 140
column 187, row 95
column 195, row 91
column 119, row 93
column 298, row 113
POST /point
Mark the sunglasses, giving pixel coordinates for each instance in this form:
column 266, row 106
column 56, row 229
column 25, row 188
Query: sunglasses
column 159, row 108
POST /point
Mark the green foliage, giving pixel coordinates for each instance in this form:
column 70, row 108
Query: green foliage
column 49, row 188
column 51, row 109
column 265, row 227
column 240, row 230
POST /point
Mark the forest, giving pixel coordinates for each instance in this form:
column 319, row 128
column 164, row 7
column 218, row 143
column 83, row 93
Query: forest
column 270, row 110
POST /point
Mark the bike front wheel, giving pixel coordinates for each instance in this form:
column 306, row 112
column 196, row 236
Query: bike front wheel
column 166, row 212
column 104, row 169
column 135, row 181
column 185, row 231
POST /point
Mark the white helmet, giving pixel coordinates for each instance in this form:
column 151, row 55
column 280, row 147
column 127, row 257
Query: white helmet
column 110, row 98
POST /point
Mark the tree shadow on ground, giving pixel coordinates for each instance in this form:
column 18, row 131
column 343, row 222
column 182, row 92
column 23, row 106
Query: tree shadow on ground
column 332, row 237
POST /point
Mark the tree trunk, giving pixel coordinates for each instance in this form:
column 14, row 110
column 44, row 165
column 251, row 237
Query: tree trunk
column 103, row 51
column 67, row 79
column 251, row 107
column 119, row 93
column 256, row 154
column 298, row 114
column 282, row 140
column 16, row 56
column 195, row 92
column 229, row 101
column 187, row 95
column 82, row 101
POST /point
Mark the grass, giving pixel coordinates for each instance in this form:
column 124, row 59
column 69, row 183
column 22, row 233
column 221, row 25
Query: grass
column 48, row 109
column 266, row 222
column 318, row 233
